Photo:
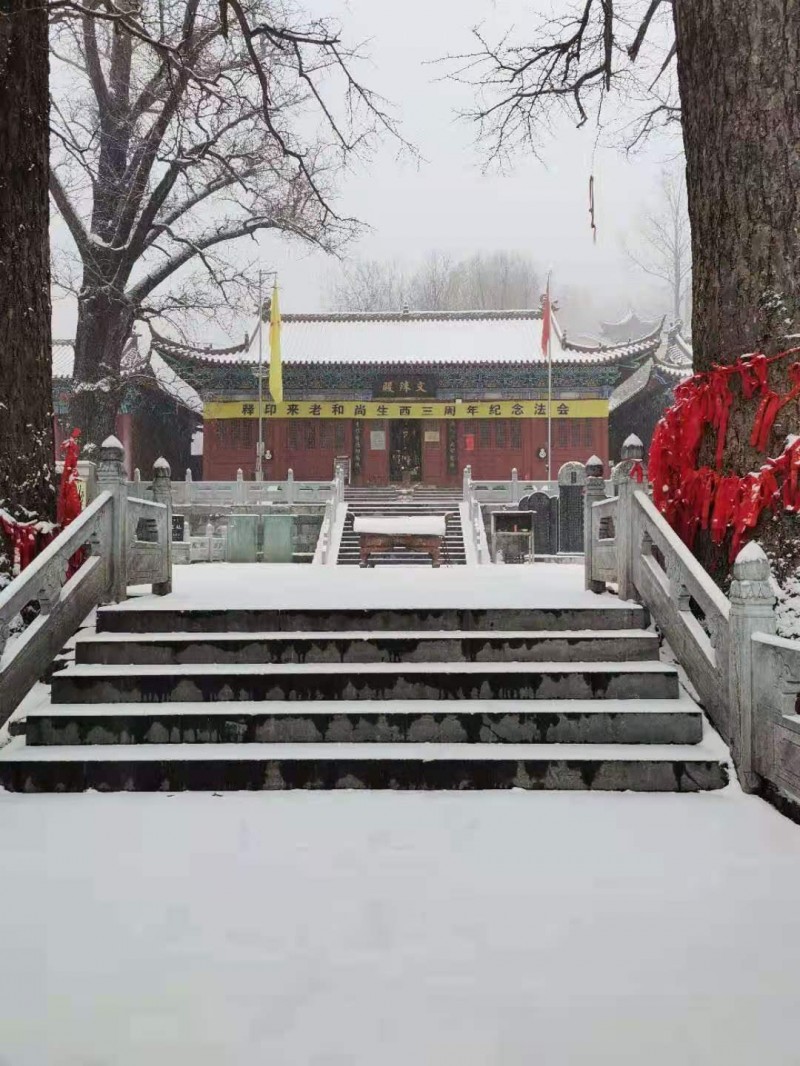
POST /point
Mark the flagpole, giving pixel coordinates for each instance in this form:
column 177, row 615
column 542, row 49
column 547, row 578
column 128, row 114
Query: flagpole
column 260, row 455
column 549, row 384
column 549, row 412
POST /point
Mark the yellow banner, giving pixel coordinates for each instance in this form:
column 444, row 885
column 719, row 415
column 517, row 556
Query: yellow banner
column 388, row 409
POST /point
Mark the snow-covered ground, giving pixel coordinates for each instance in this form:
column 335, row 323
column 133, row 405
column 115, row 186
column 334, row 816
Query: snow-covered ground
column 273, row 585
column 343, row 929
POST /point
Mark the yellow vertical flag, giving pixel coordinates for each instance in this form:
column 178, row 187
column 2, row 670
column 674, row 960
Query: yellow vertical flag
column 275, row 367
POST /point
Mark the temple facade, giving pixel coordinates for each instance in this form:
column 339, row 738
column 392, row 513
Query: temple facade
column 410, row 397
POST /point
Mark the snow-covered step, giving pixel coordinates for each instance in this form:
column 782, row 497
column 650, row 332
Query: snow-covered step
column 165, row 618
column 363, row 647
column 370, row 721
column 98, row 683
column 237, row 767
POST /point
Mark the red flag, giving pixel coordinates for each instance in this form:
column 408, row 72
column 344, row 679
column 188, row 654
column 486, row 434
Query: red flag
column 546, row 319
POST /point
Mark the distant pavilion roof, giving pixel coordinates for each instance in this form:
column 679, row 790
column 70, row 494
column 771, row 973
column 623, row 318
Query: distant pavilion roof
column 420, row 338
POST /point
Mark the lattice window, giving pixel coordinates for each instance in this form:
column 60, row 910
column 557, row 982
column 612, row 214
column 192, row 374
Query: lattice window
column 516, row 435
column 294, row 437
column 500, row 434
column 326, row 435
column 563, row 432
column 484, row 434
column 236, row 433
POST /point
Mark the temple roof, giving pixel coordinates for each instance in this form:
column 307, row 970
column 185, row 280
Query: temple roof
column 420, row 338
column 671, row 364
column 134, row 364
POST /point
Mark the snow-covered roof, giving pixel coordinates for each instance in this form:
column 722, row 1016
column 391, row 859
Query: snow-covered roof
column 632, row 385
column 422, row 338
column 672, row 361
column 675, row 356
column 629, row 327
column 168, row 381
column 63, row 360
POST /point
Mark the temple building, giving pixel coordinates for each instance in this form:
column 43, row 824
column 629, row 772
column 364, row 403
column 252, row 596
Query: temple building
column 410, row 397
column 159, row 414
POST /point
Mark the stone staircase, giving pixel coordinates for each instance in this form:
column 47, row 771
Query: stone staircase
column 160, row 698
column 392, row 501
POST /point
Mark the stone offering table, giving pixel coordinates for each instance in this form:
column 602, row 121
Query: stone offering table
column 423, row 534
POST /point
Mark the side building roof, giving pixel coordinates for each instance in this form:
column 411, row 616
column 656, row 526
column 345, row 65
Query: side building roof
column 671, row 364
column 136, row 367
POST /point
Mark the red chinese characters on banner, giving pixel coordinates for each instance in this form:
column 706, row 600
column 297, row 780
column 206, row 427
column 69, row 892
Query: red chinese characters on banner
column 692, row 499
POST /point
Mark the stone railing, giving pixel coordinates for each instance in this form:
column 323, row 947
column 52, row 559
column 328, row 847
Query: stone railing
column 115, row 542
column 746, row 677
column 330, row 533
column 511, row 491
column 474, row 531
column 227, row 495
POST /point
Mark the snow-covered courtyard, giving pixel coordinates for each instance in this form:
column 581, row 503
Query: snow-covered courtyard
column 364, row 928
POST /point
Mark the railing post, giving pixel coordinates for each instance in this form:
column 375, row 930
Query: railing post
column 627, row 482
column 238, row 496
column 290, row 486
column 594, row 491
column 466, row 482
column 187, row 492
column 137, row 475
column 111, row 478
column 752, row 611
column 210, row 539
column 514, row 486
column 162, row 493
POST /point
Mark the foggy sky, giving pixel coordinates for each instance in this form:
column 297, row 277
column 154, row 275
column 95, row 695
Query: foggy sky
column 445, row 202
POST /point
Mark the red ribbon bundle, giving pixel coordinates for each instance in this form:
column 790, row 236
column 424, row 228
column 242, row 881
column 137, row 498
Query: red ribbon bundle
column 692, row 498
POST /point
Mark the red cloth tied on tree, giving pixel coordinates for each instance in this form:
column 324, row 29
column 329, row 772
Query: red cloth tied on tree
column 756, row 493
column 692, row 499
column 753, row 374
column 27, row 539
column 725, row 504
column 69, row 499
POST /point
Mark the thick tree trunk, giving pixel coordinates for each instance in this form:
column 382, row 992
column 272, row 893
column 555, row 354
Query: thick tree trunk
column 26, row 402
column 739, row 77
column 105, row 323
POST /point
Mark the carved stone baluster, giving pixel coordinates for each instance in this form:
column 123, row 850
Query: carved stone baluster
column 111, row 478
column 678, row 592
column 752, row 611
column 162, row 493
column 594, row 491
column 50, row 585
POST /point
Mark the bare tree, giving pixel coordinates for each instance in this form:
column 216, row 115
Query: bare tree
column 662, row 246
column 26, row 433
column 496, row 281
column 177, row 139
column 364, row 285
column 504, row 281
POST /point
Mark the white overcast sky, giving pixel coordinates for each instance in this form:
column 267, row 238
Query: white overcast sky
column 446, row 202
